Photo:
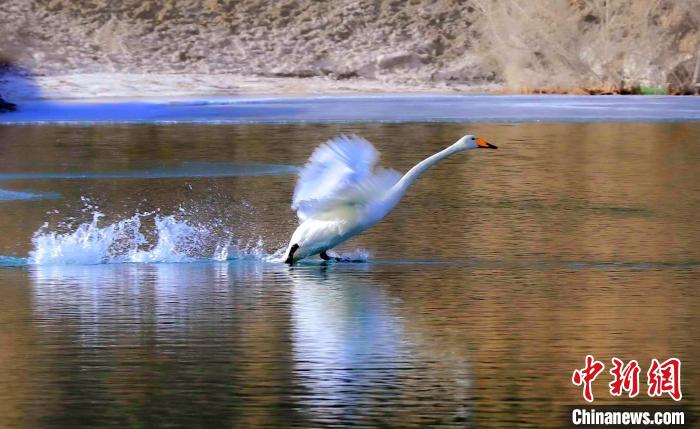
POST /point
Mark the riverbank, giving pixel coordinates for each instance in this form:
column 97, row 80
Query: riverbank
column 88, row 86
column 22, row 87
column 188, row 47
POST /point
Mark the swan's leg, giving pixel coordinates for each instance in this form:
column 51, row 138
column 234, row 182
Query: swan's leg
column 290, row 258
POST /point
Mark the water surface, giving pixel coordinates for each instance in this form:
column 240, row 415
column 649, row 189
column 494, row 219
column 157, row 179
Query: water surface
column 480, row 293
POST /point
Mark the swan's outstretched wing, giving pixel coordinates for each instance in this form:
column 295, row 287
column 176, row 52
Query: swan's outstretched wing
column 341, row 172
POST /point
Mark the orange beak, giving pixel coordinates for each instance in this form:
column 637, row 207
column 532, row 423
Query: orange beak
column 483, row 144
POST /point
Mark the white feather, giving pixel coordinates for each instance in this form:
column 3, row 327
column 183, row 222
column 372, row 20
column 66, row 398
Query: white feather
column 341, row 192
column 341, row 173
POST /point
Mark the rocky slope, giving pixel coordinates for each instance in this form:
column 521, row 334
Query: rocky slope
column 561, row 44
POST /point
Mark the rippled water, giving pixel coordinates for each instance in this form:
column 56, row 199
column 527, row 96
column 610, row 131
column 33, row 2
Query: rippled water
column 481, row 292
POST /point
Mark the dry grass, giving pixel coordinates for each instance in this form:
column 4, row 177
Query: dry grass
column 590, row 46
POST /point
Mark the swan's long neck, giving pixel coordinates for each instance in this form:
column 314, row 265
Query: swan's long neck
column 400, row 188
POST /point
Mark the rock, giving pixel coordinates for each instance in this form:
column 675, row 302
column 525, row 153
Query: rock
column 6, row 106
column 400, row 59
column 466, row 69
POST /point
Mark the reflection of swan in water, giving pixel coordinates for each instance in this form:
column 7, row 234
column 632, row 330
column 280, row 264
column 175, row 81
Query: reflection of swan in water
column 332, row 341
column 340, row 193
column 356, row 355
column 348, row 345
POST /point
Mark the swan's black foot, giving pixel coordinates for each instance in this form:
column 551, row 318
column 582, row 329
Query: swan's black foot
column 325, row 257
column 290, row 257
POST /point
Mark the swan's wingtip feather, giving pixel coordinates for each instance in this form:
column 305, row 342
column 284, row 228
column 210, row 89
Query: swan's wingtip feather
column 343, row 167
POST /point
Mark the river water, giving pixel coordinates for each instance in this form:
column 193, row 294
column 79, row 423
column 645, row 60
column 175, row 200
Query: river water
column 140, row 284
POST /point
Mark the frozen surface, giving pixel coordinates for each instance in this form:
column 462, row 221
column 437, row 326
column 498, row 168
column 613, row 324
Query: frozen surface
column 466, row 108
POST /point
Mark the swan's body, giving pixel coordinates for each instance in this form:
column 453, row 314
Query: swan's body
column 340, row 193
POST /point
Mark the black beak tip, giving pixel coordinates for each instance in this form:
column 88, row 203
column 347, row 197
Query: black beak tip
column 490, row 146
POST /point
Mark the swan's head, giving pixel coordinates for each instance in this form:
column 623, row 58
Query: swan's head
column 474, row 142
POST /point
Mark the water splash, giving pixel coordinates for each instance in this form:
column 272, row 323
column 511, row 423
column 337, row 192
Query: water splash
column 172, row 240
column 148, row 237
column 356, row 255
column 247, row 251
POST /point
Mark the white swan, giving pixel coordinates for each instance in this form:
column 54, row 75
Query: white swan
column 340, row 193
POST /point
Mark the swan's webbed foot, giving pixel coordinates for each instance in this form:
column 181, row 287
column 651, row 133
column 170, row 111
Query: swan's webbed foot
column 290, row 257
column 325, row 257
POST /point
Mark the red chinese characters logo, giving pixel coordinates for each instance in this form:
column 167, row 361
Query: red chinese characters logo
column 587, row 375
column 661, row 378
column 665, row 378
column 625, row 377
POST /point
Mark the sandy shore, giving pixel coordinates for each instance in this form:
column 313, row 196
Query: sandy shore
column 125, row 85
column 184, row 48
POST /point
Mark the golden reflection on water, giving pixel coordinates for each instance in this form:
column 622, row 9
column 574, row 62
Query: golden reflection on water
column 487, row 285
column 391, row 344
